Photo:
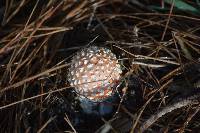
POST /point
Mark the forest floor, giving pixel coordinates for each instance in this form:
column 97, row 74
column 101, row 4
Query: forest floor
column 156, row 42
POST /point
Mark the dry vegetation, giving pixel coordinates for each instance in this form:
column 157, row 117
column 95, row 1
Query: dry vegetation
column 159, row 52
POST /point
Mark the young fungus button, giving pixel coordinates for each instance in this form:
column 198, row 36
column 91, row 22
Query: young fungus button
column 94, row 72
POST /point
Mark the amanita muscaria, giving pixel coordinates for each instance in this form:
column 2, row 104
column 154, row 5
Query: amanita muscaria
column 94, row 73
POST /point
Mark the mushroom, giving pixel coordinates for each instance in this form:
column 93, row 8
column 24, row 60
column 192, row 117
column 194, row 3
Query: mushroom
column 94, row 73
